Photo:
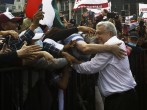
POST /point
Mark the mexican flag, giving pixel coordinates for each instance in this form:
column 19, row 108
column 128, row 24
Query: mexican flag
column 49, row 7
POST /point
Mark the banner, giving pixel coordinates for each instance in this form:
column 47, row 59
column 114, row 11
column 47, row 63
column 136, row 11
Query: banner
column 142, row 8
column 90, row 4
column 99, row 10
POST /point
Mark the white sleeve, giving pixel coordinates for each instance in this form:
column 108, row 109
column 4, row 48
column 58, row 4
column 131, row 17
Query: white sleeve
column 99, row 62
column 57, row 45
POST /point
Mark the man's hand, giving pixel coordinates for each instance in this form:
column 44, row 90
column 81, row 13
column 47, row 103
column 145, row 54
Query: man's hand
column 13, row 33
column 70, row 45
column 129, row 49
column 86, row 29
column 70, row 58
column 25, row 51
column 36, row 18
column 44, row 54
column 117, row 51
column 28, row 60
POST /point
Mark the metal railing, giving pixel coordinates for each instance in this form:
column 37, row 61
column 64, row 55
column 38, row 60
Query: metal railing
column 16, row 83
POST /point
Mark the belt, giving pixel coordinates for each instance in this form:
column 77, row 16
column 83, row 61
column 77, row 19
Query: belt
column 121, row 93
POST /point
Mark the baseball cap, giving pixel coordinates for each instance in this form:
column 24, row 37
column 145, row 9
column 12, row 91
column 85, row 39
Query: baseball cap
column 7, row 16
column 38, row 36
column 133, row 26
column 133, row 34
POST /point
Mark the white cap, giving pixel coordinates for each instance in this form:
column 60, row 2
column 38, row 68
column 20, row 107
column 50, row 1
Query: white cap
column 7, row 16
column 57, row 45
column 38, row 36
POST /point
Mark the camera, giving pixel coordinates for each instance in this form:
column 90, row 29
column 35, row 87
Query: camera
column 113, row 15
column 12, row 43
column 62, row 18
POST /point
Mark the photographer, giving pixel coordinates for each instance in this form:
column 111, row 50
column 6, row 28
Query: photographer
column 63, row 19
column 100, row 17
column 141, row 29
column 10, row 22
column 114, row 17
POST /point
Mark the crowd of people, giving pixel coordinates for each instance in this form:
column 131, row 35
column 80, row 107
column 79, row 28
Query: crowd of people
column 61, row 51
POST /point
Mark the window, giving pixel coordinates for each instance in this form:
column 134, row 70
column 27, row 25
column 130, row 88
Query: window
column 19, row 7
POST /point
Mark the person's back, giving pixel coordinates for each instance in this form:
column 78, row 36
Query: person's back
column 135, row 54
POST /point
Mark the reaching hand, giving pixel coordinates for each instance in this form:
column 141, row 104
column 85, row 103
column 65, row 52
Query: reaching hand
column 70, row 45
column 71, row 59
column 86, row 29
column 46, row 55
column 28, row 60
column 13, row 33
column 37, row 55
column 37, row 17
column 117, row 51
column 129, row 49
column 25, row 51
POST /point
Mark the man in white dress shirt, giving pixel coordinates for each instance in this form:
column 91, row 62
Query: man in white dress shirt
column 115, row 81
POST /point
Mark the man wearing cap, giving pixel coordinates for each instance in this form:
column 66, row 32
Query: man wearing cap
column 135, row 54
column 132, row 42
column 9, row 23
column 7, row 20
column 100, row 17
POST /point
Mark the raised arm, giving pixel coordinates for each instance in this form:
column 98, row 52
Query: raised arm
column 95, row 48
column 63, row 34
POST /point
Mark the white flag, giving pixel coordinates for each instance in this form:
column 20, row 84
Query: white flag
column 49, row 13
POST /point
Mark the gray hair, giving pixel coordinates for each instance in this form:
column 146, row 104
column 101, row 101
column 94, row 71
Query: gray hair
column 109, row 27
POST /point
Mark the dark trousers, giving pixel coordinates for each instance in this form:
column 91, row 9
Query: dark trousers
column 122, row 101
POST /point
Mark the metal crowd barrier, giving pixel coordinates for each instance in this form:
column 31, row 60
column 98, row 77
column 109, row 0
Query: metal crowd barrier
column 16, row 82
column 138, row 65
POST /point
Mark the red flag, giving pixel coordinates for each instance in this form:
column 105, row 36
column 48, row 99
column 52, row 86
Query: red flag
column 32, row 7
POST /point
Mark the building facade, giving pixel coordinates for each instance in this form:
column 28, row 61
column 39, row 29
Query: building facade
column 129, row 6
column 13, row 5
column 66, row 6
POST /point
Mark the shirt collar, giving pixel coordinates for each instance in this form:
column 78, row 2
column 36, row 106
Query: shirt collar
column 113, row 40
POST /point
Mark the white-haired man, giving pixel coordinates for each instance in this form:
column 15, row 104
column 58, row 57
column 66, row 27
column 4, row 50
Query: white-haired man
column 115, row 81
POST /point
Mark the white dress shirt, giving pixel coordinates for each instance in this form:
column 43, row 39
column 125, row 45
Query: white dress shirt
column 114, row 74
